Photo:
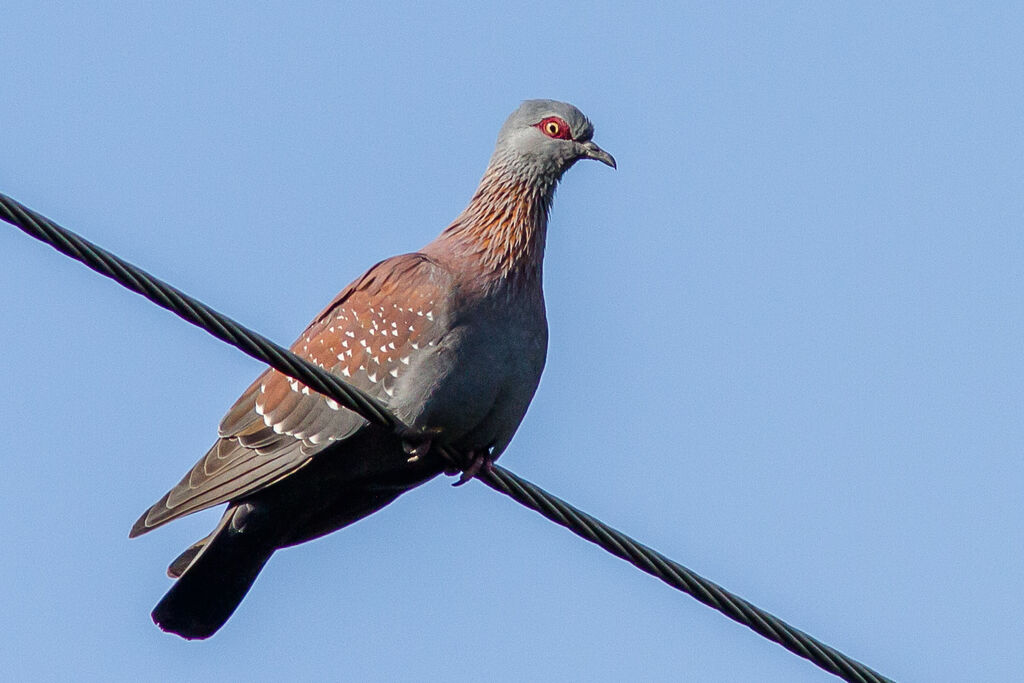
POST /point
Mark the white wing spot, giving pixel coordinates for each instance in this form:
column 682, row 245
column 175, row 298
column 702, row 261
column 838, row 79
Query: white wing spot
column 405, row 360
column 345, row 372
column 350, row 334
column 415, row 345
column 393, row 372
column 332, row 404
column 372, row 376
column 430, row 315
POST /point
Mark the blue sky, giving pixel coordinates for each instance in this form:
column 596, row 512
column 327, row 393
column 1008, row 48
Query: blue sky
column 785, row 334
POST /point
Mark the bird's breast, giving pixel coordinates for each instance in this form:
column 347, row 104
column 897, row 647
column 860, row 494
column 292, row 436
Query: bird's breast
column 476, row 382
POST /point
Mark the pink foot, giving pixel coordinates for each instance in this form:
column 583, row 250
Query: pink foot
column 482, row 462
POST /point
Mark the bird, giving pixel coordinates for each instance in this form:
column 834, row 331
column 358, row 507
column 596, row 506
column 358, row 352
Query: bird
column 451, row 338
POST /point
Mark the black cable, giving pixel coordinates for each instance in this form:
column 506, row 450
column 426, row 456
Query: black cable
column 498, row 478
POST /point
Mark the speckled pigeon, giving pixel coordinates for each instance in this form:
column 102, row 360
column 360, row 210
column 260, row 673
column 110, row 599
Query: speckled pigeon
column 452, row 338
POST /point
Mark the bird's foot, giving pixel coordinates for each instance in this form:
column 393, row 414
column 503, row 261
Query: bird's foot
column 417, row 442
column 482, row 462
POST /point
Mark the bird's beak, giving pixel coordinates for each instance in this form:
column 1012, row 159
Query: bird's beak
column 592, row 151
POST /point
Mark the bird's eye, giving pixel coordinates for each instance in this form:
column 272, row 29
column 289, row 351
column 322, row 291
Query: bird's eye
column 555, row 127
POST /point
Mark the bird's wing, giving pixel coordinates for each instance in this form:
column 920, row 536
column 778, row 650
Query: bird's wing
column 368, row 336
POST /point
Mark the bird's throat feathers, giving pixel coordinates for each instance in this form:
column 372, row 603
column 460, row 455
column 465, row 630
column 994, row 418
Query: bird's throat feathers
column 504, row 227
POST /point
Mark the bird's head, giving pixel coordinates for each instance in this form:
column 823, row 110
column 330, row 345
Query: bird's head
column 546, row 137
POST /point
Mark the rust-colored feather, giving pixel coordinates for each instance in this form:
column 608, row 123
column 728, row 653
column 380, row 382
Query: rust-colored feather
column 363, row 336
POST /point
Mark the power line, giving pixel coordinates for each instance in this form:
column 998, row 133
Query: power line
column 498, row 478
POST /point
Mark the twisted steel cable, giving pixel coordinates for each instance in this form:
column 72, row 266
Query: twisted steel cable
column 498, row 478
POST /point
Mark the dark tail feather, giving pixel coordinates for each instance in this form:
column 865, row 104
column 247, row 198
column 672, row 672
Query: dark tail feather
column 184, row 561
column 213, row 583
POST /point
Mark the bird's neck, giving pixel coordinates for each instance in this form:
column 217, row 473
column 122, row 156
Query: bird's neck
column 501, row 234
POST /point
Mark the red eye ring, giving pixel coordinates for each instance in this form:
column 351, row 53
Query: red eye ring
column 555, row 128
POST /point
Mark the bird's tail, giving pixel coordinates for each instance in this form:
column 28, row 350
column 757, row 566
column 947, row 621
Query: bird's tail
column 216, row 575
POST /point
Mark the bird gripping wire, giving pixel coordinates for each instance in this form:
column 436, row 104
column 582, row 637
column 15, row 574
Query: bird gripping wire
column 498, row 478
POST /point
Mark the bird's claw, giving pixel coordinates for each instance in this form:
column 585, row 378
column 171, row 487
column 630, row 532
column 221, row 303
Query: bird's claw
column 417, row 442
column 482, row 462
